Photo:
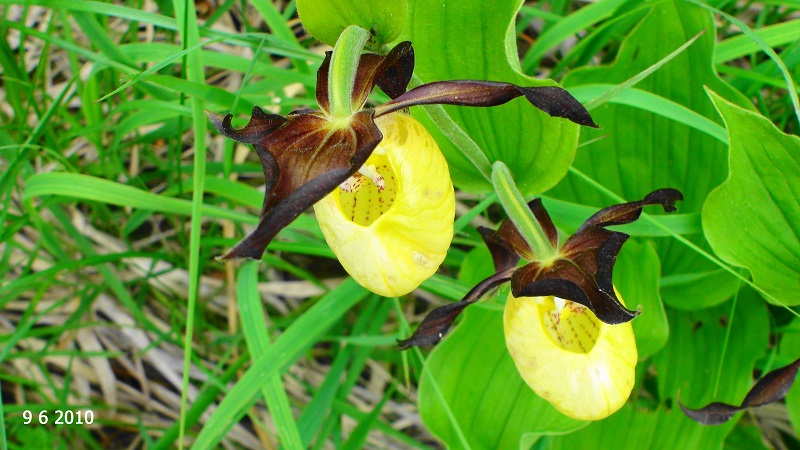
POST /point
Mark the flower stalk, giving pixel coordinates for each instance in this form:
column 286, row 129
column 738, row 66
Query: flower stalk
column 344, row 65
column 520, row 214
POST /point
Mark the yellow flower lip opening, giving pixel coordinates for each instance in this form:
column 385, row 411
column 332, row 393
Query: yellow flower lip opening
column 391, row 224
column 569, row 325
column 582, row 366
column 364, row 198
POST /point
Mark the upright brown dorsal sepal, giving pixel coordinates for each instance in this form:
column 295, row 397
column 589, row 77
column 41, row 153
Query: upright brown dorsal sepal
column 583, row 270
column 322, row 84
column 543, row 217
column 503, row 256
column 391, row 73
column 396, row 70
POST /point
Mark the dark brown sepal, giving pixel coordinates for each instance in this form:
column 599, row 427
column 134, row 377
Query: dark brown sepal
column 261, row 124
column 303, row 161
column 566, row 279
column 553, row 100
column 391, row 73
column 503, row 256
column 438, row 322
column 630, row 212
column 769, row 389
column 583, row 271
column 398, row 67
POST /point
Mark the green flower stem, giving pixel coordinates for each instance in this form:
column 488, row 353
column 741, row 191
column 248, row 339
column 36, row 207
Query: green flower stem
column 456, row 135
column 344, row 64
column 519, row 213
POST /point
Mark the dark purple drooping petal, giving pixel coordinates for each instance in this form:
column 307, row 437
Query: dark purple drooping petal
column 436, row 324
column 553, row 100
column 770, row 388
column 303, row 161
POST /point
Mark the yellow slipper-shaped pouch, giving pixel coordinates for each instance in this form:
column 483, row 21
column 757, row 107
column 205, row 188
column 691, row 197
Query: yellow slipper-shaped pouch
column 391, row 224
column 582, row 366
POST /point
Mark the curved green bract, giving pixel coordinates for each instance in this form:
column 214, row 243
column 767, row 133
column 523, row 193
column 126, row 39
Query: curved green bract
column 752, row 220
column 474, row 39
column 326, row 19
column 643, row 150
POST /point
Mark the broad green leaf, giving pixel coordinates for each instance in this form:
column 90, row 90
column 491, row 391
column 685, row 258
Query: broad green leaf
column 752, row 220
column 688, row 363
column 644, row 150
column 493, row 406
column 474, row 39
column 326, row 19
column 636, row 276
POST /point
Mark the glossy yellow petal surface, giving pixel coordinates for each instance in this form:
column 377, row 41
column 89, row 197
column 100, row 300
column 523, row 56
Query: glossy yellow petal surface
column 393, row 237
column 583, row 367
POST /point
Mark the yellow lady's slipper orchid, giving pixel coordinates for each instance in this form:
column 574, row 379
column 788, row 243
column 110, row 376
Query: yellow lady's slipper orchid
column 355, row 155
column 582, row 366
column 579, row 354
column 391, row 224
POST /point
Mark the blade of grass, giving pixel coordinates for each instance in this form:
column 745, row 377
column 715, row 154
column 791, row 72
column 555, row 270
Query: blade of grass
column 482, row 206
column 357, row 414
column 256, row 335
column 358, row 437
column 619, row 88
column 158, row 66
column 787, row 75
column 743, row 44
column 653, row 103
column 98, row 189
column 277, row 24
column 277, row 46
column 566, row 27
column 207, row 395
column 350, row 361
column 192, row 62
column 729, row 325
column 406, row 329
column 300, row 336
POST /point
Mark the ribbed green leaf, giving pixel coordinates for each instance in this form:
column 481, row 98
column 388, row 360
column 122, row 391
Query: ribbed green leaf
column 643, row 150
column 752, row 220
column 474, row 39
